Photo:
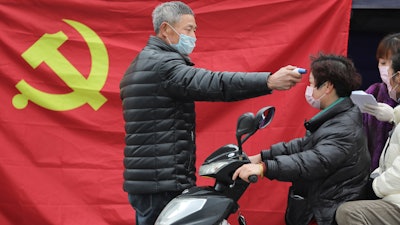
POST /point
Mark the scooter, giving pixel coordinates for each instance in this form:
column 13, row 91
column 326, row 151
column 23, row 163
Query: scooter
column 212, row 205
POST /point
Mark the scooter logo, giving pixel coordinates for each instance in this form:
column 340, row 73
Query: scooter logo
column 45, row 50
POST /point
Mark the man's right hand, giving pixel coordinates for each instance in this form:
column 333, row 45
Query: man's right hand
column 283, row 79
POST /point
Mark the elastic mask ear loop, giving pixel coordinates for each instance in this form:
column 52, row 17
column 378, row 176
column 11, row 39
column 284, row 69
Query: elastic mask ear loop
column 392, row 90
column 319, row 99
column 396, row 86
column 173, row 30
column 393, row 77
column 395, row 74
column 169, row 42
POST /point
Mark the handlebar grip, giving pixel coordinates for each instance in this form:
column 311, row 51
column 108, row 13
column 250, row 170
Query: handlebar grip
column 253, row 178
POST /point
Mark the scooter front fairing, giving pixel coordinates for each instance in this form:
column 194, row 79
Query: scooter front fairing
column 197, row 206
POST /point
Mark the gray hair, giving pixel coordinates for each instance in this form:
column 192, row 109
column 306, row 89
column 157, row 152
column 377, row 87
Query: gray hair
column 169, row 12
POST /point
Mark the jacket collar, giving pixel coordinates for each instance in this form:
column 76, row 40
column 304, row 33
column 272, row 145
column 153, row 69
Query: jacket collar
column 341, row 105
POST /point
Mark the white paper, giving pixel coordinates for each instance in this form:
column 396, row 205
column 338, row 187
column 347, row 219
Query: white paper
column 360, row 98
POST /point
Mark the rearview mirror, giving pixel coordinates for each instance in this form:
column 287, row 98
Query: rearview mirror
column 264, row 116
column 245, row 124
column 248, row 124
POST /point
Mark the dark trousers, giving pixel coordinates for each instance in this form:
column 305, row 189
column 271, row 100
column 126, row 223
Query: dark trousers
column 149, row 206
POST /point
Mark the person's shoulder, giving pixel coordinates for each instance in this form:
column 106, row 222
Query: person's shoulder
column 376, row 88
column 381, row 93
column 161, row 56
column 349, row 115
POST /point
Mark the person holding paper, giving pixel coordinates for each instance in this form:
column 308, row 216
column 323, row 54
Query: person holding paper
column 377, row 119
column 330, row 164
column 386, row 186
column 384, row 112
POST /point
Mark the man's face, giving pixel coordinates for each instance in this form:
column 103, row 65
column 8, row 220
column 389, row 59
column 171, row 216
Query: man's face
column 186, row 25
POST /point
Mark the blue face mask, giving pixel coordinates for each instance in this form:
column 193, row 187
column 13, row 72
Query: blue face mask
column 185, row 44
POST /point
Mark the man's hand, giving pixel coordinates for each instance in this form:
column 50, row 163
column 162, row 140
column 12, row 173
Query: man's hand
column 284, row 78
column 382, row 111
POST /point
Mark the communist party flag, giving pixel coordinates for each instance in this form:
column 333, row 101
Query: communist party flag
column 61, row 126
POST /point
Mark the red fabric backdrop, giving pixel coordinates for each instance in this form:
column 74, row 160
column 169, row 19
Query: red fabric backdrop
column 61, row 128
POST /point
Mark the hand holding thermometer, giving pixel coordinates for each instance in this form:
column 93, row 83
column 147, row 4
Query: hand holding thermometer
column 300, row 70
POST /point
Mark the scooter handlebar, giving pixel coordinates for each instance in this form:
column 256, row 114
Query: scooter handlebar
column 253, row 178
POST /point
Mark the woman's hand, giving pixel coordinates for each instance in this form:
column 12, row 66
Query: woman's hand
column 246, row 170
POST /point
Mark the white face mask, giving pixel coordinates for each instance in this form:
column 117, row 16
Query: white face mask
column 316, row 103
column 383, row 70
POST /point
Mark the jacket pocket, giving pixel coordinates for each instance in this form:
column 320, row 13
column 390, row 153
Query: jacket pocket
column 298, row 211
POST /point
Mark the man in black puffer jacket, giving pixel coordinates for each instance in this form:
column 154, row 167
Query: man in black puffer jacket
column 330, row 165
column 158, row 93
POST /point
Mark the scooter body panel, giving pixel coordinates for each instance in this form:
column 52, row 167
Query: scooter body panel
column 197, row 206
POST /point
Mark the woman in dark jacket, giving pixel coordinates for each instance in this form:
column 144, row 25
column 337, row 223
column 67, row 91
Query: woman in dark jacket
column 330, row 165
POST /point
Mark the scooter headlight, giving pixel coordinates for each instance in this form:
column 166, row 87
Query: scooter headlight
column 179, row 208
column 212, row 168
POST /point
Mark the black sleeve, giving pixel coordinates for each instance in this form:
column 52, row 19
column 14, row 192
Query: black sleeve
column 187, row 82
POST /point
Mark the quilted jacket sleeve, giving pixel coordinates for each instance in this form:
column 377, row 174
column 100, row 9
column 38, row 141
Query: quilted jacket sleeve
column 185, row 81
column 388, row 182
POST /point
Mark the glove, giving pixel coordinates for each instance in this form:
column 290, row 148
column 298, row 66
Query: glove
column 382, row 112
column 396, row 117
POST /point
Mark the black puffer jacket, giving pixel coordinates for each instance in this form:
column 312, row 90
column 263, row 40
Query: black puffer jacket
column 158, row 93
column 327, row 167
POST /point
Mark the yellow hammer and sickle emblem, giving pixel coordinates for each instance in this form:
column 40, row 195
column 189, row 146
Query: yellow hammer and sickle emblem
column 45, row 50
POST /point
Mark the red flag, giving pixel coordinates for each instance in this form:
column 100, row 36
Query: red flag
column 61, row 128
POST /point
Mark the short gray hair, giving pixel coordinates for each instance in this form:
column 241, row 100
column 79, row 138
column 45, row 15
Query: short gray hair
column 169, row 12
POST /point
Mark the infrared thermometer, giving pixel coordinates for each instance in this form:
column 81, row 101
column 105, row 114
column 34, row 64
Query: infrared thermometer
column 300, row 70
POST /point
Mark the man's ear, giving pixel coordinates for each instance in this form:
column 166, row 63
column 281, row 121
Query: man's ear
column 163, row 30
